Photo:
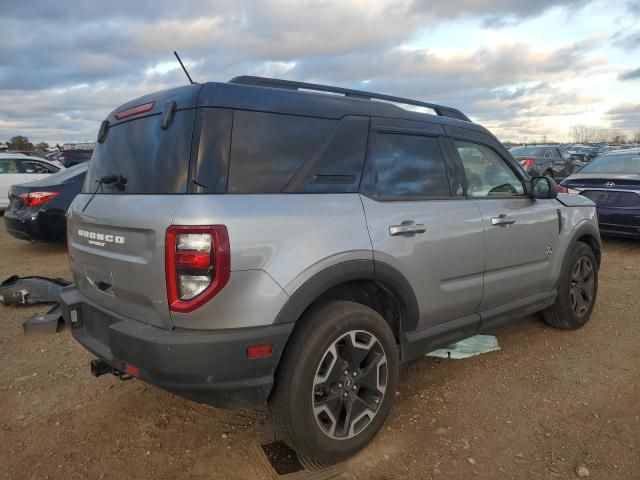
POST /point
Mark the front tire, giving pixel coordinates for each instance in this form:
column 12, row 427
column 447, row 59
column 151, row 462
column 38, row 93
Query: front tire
column 336, row 382
column 577, row 290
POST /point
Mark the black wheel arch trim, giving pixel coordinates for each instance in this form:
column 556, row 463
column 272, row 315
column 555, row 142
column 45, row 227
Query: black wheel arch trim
column 382, row 273
column 583, row 229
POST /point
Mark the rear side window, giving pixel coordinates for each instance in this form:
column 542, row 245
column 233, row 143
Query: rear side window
column 406, row 166
column 267, row 149
column 152, row 160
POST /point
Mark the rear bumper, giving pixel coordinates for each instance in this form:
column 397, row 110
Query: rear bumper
column 205, row 366
column 44, row 228
column 619, row 221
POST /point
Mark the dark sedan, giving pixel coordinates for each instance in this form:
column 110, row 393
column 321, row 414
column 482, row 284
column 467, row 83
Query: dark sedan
column 37, row 210
column 612, row 181
column 547, row 160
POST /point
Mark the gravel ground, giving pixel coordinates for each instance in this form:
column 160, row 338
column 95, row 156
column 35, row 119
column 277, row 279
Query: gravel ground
column 550, row 404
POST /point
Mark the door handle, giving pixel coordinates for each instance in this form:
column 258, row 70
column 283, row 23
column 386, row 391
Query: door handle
column 502, row 220
column 406, row 228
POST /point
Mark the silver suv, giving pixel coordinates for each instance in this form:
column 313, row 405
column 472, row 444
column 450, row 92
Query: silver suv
column 282, row 242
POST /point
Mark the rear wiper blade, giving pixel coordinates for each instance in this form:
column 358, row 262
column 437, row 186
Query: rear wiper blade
column 117, row 181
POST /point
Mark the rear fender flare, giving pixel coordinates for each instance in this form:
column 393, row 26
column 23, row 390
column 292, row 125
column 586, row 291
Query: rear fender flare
column 386, row 276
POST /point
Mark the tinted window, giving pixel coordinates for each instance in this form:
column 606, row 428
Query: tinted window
column 619, row 163
column 152, row 160
column 267, row 149
column 408, row 166
column 8, row 165
column 487, row 174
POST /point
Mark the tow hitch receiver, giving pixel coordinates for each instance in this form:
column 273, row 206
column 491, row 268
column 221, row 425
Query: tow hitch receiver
column 99, row 368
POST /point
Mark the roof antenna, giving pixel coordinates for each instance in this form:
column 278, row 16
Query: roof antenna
column 183, row 67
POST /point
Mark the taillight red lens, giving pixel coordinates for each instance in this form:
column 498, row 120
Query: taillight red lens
column 562, row 189
column 35, row 199
column 197, row 263
column 527, row 162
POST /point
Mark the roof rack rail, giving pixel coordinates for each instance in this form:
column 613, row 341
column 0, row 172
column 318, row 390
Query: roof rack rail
column 440, row 110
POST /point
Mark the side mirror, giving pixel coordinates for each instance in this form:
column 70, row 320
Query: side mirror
column 543, row 187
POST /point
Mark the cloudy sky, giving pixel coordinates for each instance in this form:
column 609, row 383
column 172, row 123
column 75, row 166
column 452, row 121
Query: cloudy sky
column 523, row 68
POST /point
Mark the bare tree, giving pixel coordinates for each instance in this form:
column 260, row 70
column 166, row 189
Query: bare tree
column 584, row 133
column 636, row 136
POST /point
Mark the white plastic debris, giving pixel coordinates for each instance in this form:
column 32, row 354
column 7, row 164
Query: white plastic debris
column 468, row 348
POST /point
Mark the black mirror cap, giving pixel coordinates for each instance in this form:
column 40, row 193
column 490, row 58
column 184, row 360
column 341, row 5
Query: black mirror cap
column 544, row 187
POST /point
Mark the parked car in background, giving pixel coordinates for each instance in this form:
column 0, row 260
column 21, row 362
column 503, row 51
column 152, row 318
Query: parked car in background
column 69, row 158
column 612, row 181
column 583, row 153
column 19, row 168
column 37, row 210
column 547, row 160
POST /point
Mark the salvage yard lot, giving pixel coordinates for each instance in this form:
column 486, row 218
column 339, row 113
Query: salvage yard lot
column 549, row 402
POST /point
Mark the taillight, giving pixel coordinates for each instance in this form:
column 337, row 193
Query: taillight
column 35, row 199
column 562, row 189
column 198, row 264
column 527, row 162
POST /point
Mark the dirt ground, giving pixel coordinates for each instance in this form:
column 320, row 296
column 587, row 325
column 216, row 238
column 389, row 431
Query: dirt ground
column 547, row 404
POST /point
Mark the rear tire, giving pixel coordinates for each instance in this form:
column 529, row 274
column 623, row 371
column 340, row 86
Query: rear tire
column 577, row 290
column 549, row 173
column 336, row 381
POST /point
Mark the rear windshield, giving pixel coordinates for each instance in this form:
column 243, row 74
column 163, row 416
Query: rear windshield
column 152, row 160
column 67, row 174
column 533, row 151
column 614, row 164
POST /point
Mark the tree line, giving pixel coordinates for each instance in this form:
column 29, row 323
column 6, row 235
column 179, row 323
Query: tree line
column 593, row 134
column 22, row 143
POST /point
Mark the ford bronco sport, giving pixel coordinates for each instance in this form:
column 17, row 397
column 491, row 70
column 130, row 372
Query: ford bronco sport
column 266, row 241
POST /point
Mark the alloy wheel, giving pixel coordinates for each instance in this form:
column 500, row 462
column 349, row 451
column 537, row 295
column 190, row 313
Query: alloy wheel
column 349, row 384
column 582, row 286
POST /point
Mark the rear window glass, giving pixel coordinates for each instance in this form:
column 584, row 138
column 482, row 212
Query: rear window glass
column 152, row 160
column 533, row 151
column 267, row 149
column 67, row 174
column 619, row 163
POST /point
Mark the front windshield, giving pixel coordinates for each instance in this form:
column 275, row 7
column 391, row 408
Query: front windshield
column 627, row 163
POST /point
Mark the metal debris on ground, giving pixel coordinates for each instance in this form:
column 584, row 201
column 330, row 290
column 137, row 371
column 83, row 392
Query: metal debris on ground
column 17, row 290
column 44, row 323
column 468, row 348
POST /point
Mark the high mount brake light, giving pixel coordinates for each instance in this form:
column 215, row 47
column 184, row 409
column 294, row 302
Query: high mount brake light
column 137, row 110
column 35, row 199
column 197, row 264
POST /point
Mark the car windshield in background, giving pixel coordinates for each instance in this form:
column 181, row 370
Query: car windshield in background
column 533, row 151
column 68, row 173
column 629, row 163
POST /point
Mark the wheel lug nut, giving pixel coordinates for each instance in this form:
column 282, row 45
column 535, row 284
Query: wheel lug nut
column 346, row 372
column 355, row 387
column 339, row 385
column 355, row 374
column 376, row 401
column 345, row 394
